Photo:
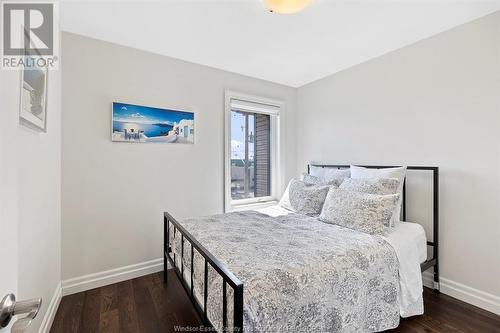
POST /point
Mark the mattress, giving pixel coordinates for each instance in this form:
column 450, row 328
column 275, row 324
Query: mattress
column 408, row 232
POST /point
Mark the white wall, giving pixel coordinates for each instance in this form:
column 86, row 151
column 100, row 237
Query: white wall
column 8, row 182
column 436, row 102
column 114, row 194
column 31, row 191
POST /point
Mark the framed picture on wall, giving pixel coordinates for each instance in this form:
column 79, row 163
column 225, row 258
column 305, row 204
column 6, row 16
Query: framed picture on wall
column 135, row 123
column 33, row 100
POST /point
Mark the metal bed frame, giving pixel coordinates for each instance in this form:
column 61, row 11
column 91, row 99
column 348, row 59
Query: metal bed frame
column 230, row 279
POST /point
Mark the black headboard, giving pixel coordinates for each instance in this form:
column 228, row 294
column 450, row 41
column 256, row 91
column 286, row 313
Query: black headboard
column 435, row 207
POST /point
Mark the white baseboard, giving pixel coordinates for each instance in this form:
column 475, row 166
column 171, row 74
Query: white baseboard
column 50, row 314
column 96, row 280
column 465, row 293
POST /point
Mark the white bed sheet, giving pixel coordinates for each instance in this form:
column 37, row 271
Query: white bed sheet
column 411, row 233
column 409, row 241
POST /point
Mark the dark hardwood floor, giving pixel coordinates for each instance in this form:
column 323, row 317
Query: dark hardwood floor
column 147, row 305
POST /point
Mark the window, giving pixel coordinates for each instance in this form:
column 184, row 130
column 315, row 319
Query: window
column 250, row 155
column 251, row 150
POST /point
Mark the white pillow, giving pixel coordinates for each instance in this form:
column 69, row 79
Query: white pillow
column 329, row 174
column 399, row 173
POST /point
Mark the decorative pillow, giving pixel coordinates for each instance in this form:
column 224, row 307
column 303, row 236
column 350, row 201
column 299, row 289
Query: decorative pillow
column 304, row 199
column 313, row 180
column 328, row 174
column 399, row 173
column 381, row 186
column 364, row 212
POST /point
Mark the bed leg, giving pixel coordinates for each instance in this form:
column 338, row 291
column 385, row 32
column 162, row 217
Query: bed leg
column 436, row 279
column 165, row 271
column 166, row 248
column 435, row 223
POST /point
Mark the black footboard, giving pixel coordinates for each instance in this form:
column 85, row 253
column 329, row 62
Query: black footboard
column 227, row 276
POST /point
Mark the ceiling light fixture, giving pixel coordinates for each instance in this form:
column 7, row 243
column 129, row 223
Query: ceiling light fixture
column 286, row 6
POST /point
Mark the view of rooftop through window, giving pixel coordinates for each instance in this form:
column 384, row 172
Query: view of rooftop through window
column 249, row 155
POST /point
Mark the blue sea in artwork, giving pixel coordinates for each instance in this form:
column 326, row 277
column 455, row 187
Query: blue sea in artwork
column 150, row 130
column 154, row 122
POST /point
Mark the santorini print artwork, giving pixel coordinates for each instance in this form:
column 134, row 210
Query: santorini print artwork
column 134, row 123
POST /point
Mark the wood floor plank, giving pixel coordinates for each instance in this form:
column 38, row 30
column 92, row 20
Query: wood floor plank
column 127, row 308
column 109, row 298
column 110, row 322
column 163, row 304
column 62, row 312
column 147, row 305
column 91, row 313
column 183, row 310
column 71, row 321
column 451, row 313
column 147, row 318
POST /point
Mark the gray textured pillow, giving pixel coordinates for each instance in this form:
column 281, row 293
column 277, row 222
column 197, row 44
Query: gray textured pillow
column 303, row 198
column 365, row 212
column 381, row 186
column 313, row 180
column 398, row 172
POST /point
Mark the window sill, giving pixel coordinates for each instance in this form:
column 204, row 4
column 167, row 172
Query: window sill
column 250, row 206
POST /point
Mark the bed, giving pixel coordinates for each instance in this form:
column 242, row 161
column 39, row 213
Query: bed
column 303, row 274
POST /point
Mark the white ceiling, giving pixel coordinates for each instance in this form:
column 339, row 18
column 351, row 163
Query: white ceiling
column 242, row 37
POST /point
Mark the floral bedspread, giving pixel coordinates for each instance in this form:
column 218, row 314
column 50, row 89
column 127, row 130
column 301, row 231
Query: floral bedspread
column 299, row 274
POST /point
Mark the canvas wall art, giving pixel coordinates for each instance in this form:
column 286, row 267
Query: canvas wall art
column 33, row 101
column 135, row 123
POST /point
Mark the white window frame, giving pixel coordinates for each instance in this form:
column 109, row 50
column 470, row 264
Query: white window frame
column 275, row 107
